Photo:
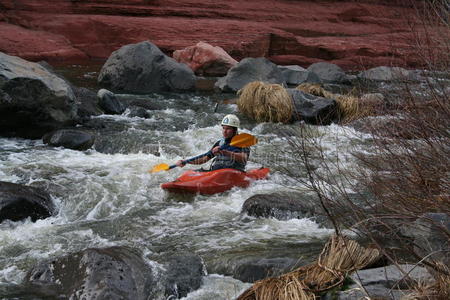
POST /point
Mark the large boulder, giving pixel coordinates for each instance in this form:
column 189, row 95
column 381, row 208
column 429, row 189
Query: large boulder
column 18, row 202
column 329, row 73
column 32, row 99
column 313, row 109
column 295, row 75
column 249, row 70
column 205, row 59
column 74, row 139
column 100, row 274
column 142, row 68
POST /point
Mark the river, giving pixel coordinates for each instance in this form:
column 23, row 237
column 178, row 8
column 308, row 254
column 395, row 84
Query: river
column 107, row 197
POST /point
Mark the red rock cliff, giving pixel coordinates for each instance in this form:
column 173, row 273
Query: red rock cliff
column 351, row 34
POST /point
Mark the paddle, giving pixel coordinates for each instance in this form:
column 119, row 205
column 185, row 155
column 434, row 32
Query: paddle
column 241, row 140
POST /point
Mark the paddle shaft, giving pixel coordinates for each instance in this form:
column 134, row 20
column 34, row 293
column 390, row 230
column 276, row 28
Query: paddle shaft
column 202, row 155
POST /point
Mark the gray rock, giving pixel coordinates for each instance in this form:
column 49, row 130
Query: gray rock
column 386, row 74
column 430, row 236
column 142, row 68
column 282, row 206
column 110, row 273
column 375, row 291
column 18, row 202
column 392, row 276
column 329, row 73
column 312, row 109
column 109, row 102
column 32, row 99
column 295, row 75
column 184, row 275
column 249, row 70
column 139, row 112
column 70, row 138
column 257, row 269
column 87, row 103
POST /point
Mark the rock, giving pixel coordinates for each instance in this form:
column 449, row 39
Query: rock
column 205, row 59
column 87, row 103
column 70, row 138
column 109, row 273
column 109, row 102
column 312, row 109
column 143, row 68
column 430, row 238
column 205, row 83
column 282, row 206
column 386, row 74
column 392, row 277
column 329, row 73
column 139, row 112
column 33, row 100
column 252, row 270
column 375, row 291
column 372, row 100
column 184, row 275
column 295, row 75
column 18, row 202
column 249, row 70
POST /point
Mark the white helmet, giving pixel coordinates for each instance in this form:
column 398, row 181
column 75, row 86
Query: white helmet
column 230, row 120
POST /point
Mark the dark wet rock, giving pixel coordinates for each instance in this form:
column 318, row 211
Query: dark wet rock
column 249, row 70
column 430, row 234
column 142, row 68
column 257, row 269
column 87, row 103
column 313, row 109
column 32, row 99
column 109, row 102
column 70, row 138
column 18, row 202
column 184, row 275
column 138, row 112
column 295, row 75
column 329, row 73
column 110, row 273
column 283, row 206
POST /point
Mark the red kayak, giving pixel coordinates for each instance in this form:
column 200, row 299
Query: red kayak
column 213, row 182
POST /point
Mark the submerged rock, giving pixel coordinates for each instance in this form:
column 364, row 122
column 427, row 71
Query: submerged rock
column 142, row 68
column 70, row 138
column 33, row 100
column 18, row 202
column 100, row 274
column 184, row 275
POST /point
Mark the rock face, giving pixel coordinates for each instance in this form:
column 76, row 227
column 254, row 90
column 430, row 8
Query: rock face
column 32, row 99
column 18, row 202
column 205, row 59
column 143, row 68
column 352, row 34
column 110, row 273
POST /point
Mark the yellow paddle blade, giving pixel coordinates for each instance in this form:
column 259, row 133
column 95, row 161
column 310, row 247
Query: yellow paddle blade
column 160, row 167
column 243, row 140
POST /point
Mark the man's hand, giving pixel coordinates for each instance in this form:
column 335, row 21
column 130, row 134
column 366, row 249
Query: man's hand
column 181, row 163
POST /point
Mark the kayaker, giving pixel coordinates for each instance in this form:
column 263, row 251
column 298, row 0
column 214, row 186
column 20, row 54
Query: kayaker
column 231, row 157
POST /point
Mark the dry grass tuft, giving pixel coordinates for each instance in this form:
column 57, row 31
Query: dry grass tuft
column 349, row 108
column 339, row 257
column 265, row 102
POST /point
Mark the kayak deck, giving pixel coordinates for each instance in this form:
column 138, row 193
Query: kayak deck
column 213, row 182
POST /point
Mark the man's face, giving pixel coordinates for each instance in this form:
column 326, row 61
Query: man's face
column 228, row 131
